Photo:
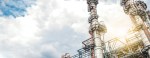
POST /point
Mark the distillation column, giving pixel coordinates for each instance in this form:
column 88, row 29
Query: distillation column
column 96, row 29
column 139, row 17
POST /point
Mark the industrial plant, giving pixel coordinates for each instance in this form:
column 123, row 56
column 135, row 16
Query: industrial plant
column 137, row 43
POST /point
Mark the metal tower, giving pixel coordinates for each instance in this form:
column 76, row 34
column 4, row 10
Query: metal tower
column 137, row 11
column 96, row 30
column 93, row 47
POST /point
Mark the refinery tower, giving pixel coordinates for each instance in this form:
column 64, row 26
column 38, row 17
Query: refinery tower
column 137, row 44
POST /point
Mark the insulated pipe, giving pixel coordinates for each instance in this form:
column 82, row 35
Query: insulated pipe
column 145, row 40
column 98, row 46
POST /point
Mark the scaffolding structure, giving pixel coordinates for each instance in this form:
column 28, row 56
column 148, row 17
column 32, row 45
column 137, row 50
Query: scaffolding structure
column 131, row 48
column 136, row 44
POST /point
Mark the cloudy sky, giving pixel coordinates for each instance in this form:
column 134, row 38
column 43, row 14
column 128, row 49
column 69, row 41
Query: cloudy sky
column 49, row 28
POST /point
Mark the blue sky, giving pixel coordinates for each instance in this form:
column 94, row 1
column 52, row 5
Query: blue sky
column 14, row 8
column 49, row 28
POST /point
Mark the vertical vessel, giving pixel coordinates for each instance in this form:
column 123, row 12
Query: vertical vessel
column 97, row 29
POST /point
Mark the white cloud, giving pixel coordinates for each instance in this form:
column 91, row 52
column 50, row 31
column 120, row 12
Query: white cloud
column 24, row 34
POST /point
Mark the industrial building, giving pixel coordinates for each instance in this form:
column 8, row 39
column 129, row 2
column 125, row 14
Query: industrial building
column 137, row 43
